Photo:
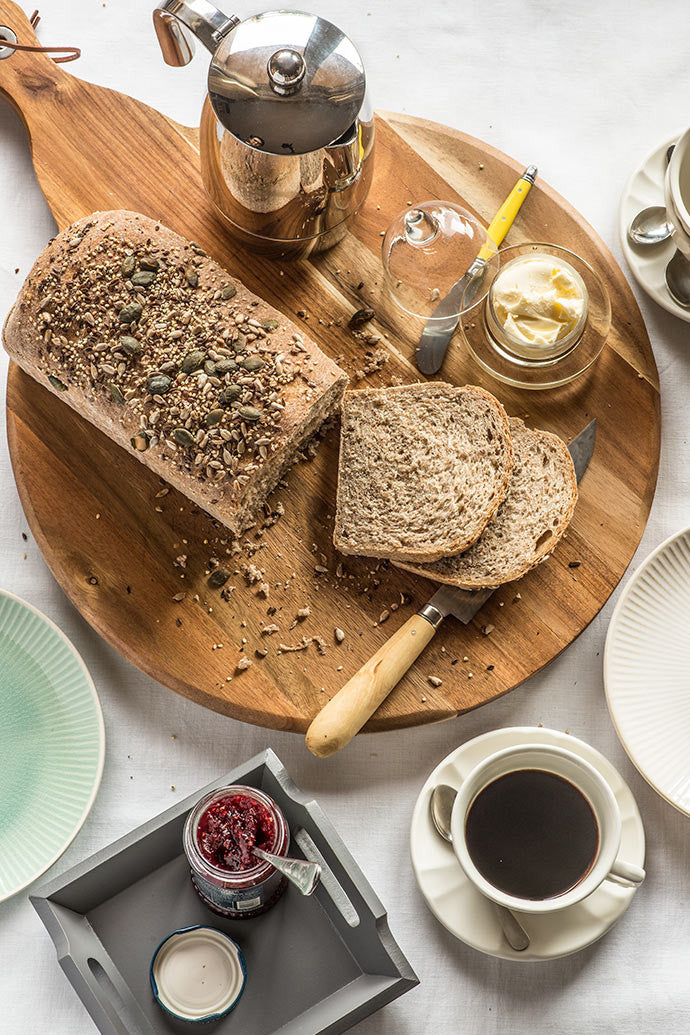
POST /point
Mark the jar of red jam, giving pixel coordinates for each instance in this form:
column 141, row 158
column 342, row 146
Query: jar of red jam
column 218, row 838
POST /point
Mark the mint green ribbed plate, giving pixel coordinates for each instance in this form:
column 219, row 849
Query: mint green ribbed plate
column 52, row 743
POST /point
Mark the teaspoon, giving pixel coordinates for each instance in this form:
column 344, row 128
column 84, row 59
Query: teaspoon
column 678, row 280
column 441, row 807
column 303, row 874
column 650, row 226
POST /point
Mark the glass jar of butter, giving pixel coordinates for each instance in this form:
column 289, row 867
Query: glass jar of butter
column 544, row 320
column 219, row 835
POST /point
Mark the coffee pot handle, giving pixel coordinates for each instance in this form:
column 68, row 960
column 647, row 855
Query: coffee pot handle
column 177, row 22
column 626, row 873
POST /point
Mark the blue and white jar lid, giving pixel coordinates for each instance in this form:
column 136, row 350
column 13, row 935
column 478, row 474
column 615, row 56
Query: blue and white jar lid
column 198, row 974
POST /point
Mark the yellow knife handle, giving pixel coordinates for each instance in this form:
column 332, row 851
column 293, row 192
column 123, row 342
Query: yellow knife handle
column 505, row 217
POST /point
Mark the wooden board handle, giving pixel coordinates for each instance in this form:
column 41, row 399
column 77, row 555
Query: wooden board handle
column 345, row 714
column 29, row 81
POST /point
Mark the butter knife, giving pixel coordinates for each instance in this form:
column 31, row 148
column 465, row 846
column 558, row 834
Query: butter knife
column 441, row 325
column 345, row 714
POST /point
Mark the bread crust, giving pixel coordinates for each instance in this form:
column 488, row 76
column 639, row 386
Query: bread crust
column 459, row 545
column 307, row 385
column 542, row 554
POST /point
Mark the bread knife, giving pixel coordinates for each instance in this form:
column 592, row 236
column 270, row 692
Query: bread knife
column 441, row 325
column 345, row 714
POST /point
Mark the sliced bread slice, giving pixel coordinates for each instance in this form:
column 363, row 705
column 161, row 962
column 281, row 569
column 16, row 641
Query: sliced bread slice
column 423, row 468
column 535, row 514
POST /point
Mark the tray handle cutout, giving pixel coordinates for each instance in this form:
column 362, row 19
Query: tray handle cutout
column 329, row 881
column 110, row 1000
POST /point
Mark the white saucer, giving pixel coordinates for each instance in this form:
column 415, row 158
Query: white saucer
column 647, row 646
column 648, row 264
column 471, row 917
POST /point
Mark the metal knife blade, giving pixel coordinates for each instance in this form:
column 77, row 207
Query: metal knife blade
column 464, row 604
column 440, row 327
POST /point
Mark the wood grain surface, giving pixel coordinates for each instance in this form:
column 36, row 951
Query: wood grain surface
column 111, row 541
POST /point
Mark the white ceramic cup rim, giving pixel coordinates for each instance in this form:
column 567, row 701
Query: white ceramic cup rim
column 573, row 768
column 677, row 211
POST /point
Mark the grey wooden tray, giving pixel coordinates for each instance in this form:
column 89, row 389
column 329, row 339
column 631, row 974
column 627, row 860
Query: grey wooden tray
column 314, row 965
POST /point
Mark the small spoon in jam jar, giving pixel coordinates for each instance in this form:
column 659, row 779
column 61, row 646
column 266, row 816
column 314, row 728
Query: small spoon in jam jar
column 303, row 874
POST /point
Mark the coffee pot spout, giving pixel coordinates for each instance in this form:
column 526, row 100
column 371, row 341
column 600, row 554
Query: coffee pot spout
column 177, row 22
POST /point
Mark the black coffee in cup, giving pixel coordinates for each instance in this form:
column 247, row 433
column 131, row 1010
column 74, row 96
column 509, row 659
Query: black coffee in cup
column 532, row 834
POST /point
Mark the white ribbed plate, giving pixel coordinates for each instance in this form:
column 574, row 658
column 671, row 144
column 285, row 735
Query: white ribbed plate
column 52, row 743
column 647, row 669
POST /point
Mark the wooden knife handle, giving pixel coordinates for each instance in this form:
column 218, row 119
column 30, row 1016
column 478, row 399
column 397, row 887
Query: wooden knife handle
column 345, row 714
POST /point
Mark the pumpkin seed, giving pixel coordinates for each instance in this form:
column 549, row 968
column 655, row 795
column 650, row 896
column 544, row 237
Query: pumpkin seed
column 240, row 343
column 249, row 413
column 191, row 276
column 57, row 383
column 228, row 396
column 144, row 278
column 158, row 384
column 117, row 395
column 131, row 313
column 361, row 316
column 252, row 364
column 128, row 266
column 183, row 437
column 218, row 577
column 224, row 366
column 270, row 325
column 192, row 361
column 213, row 418
column 228, row 291
column 130, row 345
column 140, row 442
column 149, row 263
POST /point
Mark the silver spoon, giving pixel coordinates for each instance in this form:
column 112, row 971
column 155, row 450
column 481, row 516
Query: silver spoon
column 441, row 806
column 303, row 874
column 678, row 280
column 650, row 226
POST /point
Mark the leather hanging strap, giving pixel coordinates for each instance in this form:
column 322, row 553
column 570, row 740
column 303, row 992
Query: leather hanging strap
column 66, row 53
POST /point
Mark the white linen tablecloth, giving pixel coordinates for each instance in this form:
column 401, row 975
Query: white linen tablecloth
column 584, row 90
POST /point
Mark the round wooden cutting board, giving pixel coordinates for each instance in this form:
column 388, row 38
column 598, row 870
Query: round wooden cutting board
column 111, row 538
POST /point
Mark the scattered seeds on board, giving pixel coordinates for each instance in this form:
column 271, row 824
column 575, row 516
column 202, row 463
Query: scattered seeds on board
column 487, row 630
column 435, row 681
column 339, row 634
column 384, row 616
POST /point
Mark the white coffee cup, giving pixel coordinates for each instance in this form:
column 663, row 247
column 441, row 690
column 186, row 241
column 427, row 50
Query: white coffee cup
column 677, row 194
column 590, row 783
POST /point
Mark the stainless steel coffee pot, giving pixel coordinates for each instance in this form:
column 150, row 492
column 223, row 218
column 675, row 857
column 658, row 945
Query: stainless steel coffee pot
column 287, row 133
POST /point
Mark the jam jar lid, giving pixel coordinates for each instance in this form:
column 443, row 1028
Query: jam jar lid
column 286, row 82
column 198, row 974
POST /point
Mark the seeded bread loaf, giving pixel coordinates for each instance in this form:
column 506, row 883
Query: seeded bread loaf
column 156, row 345
column 531, row 520
column 423, row 468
